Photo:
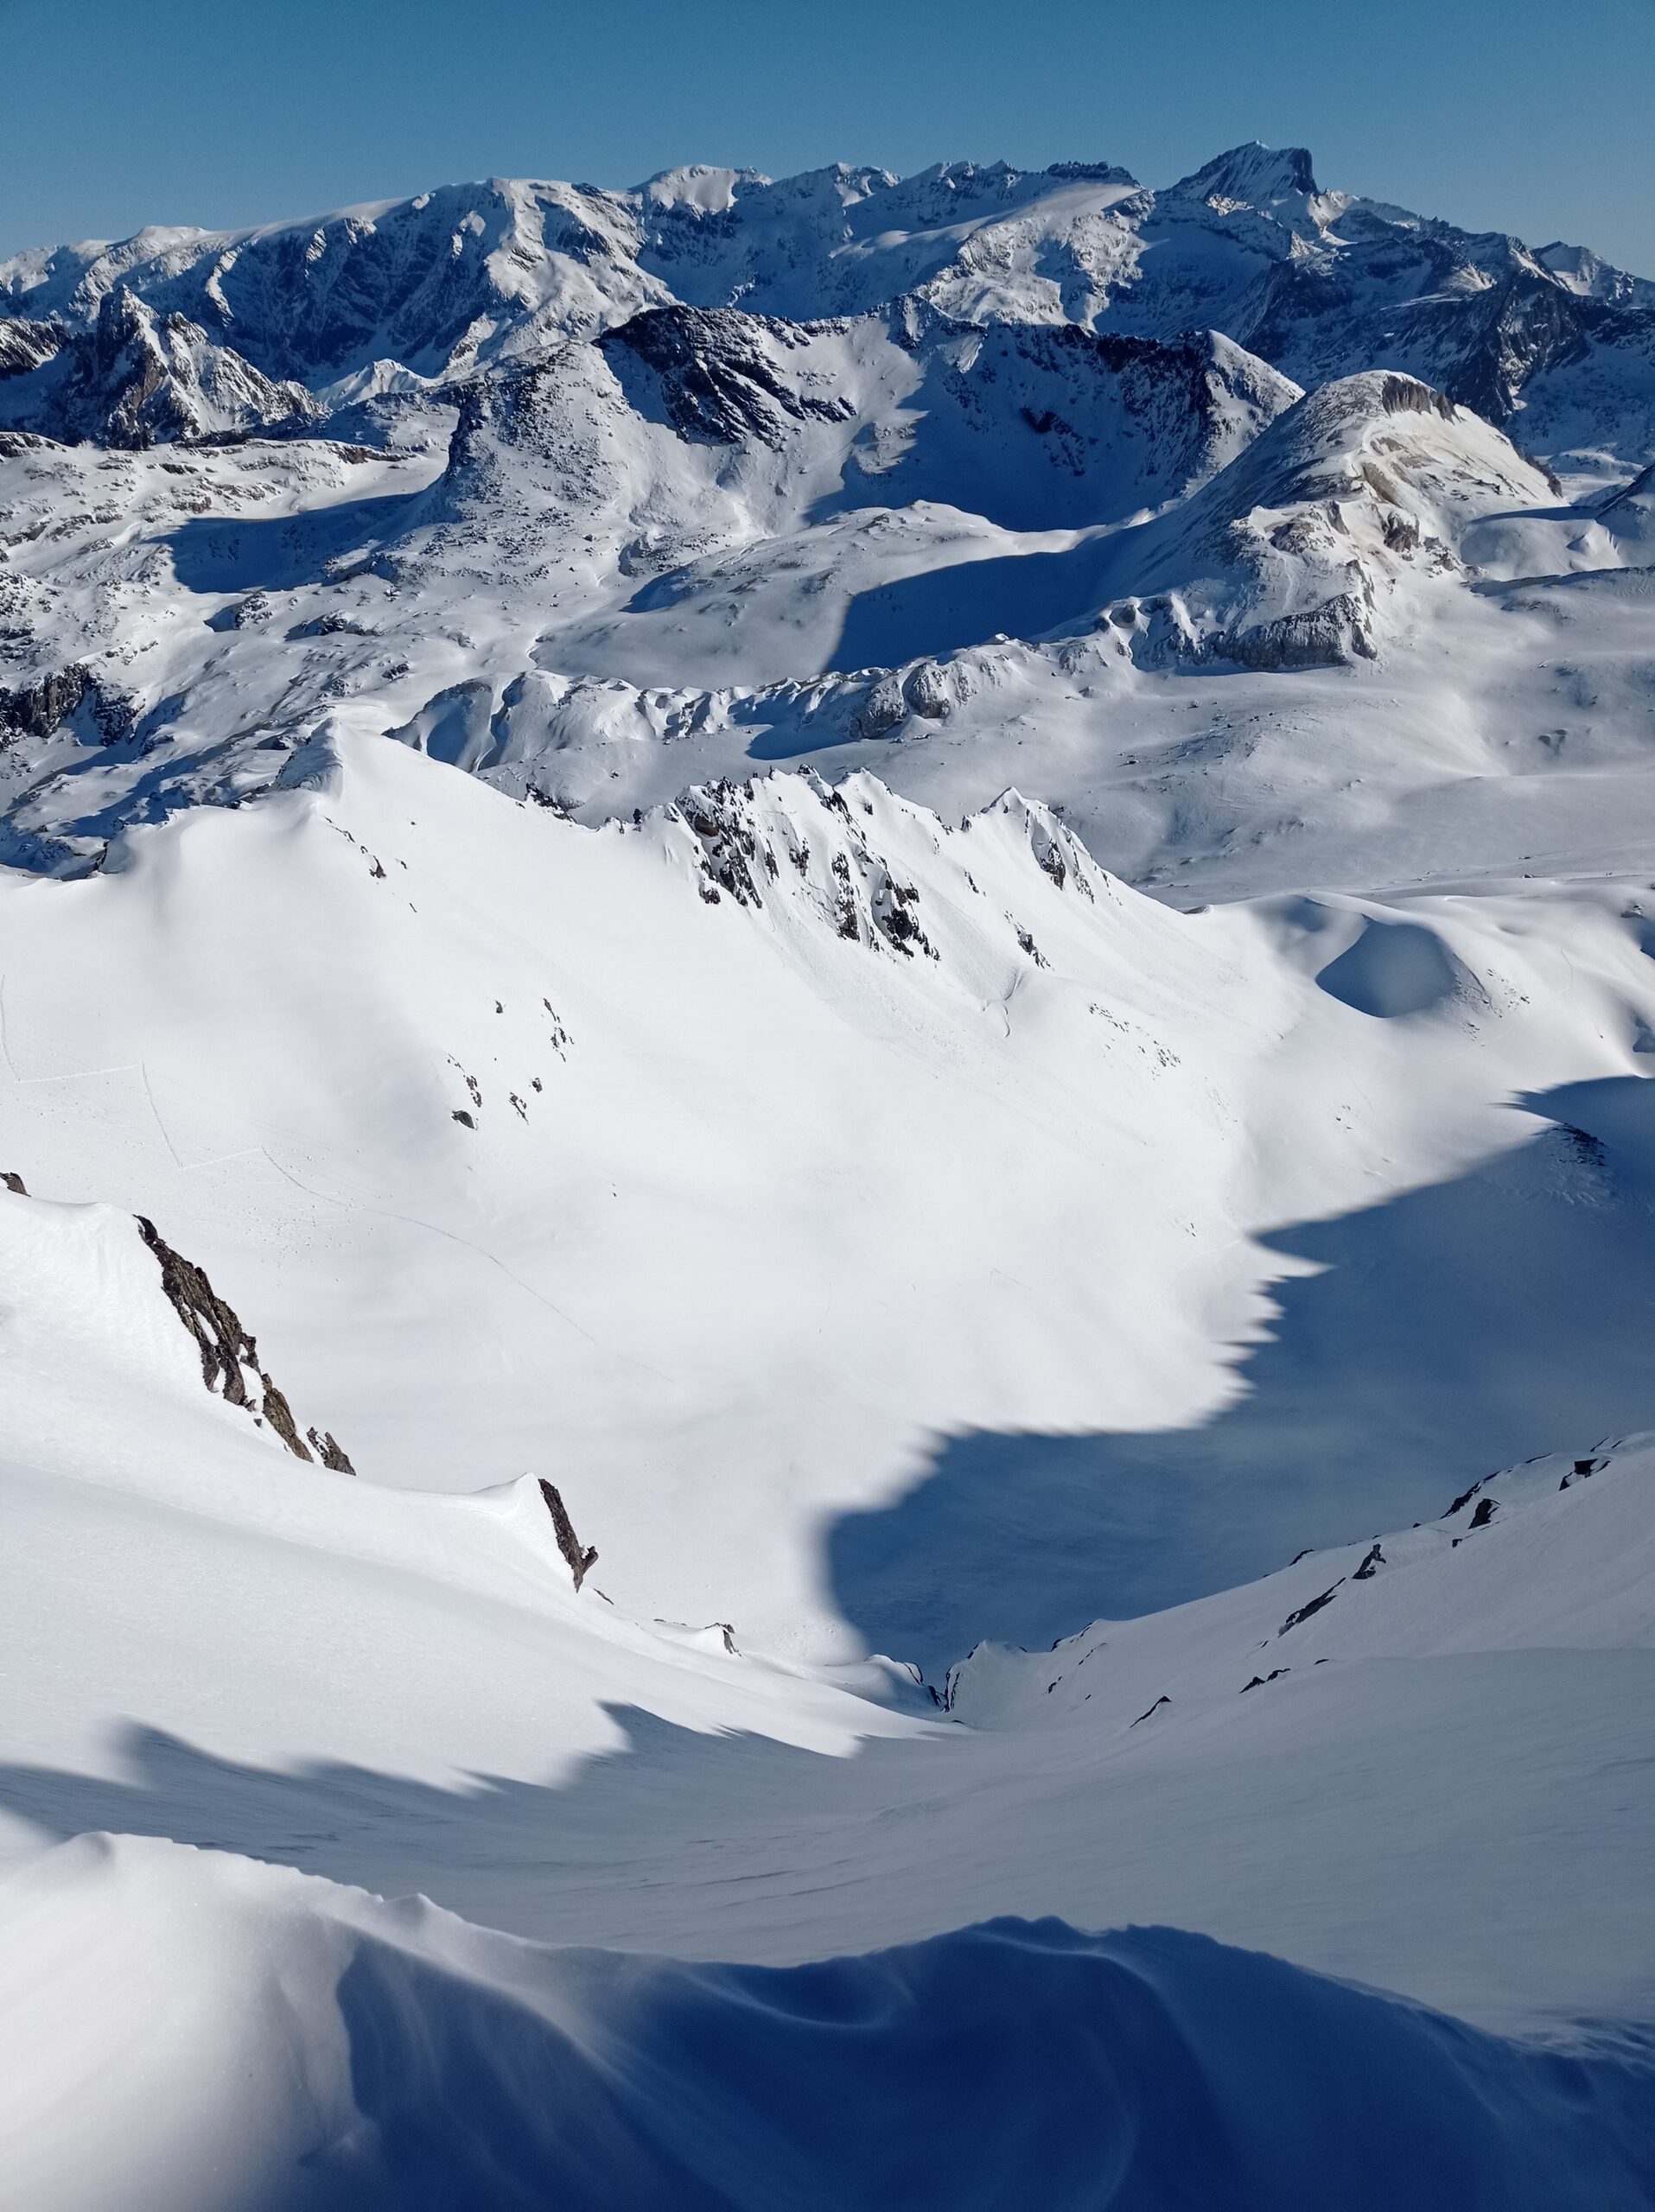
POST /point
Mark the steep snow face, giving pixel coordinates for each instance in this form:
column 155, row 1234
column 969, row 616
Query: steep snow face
column 1055, row 427
column 1579, row 267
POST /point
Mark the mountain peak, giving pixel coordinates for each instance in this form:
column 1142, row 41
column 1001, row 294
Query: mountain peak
column 1253, row 176
column 710, row 190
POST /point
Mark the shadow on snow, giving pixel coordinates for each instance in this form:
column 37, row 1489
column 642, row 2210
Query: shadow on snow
column 285, row 552
column 1451, row 1331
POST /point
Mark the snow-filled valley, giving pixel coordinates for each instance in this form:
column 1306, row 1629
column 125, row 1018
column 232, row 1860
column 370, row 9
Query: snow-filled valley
column 928, row 907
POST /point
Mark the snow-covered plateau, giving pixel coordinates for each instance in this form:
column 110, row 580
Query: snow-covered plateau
column 827, row 1251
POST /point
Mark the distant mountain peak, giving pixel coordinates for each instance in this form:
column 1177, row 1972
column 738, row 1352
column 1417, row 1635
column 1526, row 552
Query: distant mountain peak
column 1253, row 176
column 710, row 190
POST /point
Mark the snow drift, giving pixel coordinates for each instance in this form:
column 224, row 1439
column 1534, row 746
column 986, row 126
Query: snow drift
column 370, row 2055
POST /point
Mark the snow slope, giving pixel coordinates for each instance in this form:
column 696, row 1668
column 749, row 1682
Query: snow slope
column 1449, row 1736
column 895, row 1004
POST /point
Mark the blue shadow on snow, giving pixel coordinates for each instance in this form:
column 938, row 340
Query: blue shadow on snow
column 1452, row 1331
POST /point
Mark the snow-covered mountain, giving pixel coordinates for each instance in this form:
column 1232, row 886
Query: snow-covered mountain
column 1319, row 284
column 561, row 479
column 825, row 1156
column 137, row 379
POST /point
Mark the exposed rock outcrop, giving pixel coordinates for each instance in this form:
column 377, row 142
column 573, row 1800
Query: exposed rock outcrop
column 230, row 1363
column 580, row 1561
column 36, row 710
column 722, row 376
column 330, row 1453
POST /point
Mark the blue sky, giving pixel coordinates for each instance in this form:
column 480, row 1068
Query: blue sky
column 1531, row 118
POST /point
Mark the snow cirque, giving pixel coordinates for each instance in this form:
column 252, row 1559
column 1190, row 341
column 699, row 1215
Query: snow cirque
column 938, row 889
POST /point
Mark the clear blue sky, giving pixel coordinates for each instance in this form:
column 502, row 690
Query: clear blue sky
column 1534, row 118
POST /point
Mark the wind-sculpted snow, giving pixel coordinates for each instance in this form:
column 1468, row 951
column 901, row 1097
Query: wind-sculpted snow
column 396, row 2058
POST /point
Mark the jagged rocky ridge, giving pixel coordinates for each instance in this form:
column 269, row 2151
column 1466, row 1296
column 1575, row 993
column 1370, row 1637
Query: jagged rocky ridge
column 230, row 1361
column 137, row 379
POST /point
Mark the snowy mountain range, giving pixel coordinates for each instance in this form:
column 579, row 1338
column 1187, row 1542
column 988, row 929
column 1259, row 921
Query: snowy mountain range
column 553, row 479
column 1317, row 284
column 823, row 1020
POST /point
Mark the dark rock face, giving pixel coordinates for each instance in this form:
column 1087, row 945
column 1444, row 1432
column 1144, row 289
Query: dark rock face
column 730, row 847
column 1408, row 396
column 1305, row 1612
column 223, row 1343
column 1328, row 636
column 1258, row 1682
column 26, row 346
column 230, row 1364
column 36, row 710
column 721, row 375
column 331, row 1453
column 737, row 857
column 580, row 1561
